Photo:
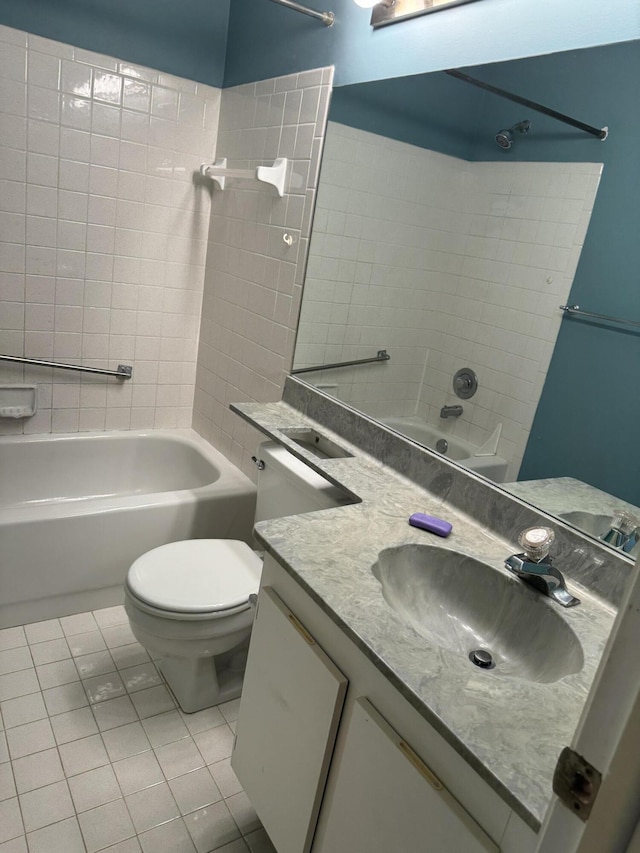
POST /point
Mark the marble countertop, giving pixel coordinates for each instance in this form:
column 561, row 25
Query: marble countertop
column 508, row 729
column 560, row 495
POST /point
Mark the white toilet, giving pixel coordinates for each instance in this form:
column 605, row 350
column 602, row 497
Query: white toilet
column 188, row 602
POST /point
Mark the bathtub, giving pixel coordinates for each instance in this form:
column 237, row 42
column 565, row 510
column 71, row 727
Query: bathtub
column 493, row 467
column 76, row 510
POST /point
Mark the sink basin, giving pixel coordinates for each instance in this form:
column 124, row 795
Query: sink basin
column 461, row 604
column 591, row 522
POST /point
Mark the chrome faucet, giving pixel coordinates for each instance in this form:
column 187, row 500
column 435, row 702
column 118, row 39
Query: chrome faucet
column 534, row 566
column 624, row 532
column 450, row 411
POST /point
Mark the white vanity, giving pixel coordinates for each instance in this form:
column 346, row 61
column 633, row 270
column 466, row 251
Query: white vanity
column 356, row 733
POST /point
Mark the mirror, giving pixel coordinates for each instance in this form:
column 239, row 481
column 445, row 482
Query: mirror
column 450, row 225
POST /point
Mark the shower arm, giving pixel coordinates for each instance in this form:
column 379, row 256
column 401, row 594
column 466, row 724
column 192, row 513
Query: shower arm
column 327, row 18
column 599, row 133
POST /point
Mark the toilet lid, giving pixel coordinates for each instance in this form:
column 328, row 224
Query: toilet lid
column 196, row 576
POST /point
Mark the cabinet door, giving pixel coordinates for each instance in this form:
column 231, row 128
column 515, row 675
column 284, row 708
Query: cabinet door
column 386, row 799
column 289, row 713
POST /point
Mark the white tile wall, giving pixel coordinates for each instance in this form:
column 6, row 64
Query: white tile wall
column 103, row 232
column 446, row 264
column 253, row 281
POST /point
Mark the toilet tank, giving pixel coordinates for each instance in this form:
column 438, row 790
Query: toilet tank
column 286, row 486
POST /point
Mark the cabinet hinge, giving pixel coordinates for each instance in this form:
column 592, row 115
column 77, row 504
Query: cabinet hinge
column 576, row 782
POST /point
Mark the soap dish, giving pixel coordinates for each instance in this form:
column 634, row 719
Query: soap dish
column 18, row 401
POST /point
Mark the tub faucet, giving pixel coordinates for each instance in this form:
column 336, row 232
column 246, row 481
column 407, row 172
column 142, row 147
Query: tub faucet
column 534, row 566
column 450, row 411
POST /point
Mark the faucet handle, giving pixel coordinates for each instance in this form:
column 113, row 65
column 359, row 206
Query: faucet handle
column 535, row 542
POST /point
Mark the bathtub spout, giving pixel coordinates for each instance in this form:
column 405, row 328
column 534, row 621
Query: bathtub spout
column 450, row 411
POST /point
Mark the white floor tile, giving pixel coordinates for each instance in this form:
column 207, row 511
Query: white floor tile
column 50, row 652
column 82, row 755
column 10, row 820
column 94, row 788
column 165, row 728
column 13, row 660
column 37, row 770
column 230, row 710
column 225, row 778
column 12, row 638
column 24, row 709
column 152, row 807
column 138, row 772
column 155, row 700
column 39, row 632
column 62, row 837
column 67, row 697
column 73, row 725
column 179, row 758
column 130, row 655
column 110, row 616
column 7, row 785
column 104, row 687
column 69, row 762
column 79, row 624
column 115, row 712
column 32, row 737
column 140, row 677
column 118, row 635
column 18, row 684
column 259, row 842
column 86, row 644
column 195, row 790
column 172, row 837
column 46, row 805
column 215, row 744
column 106, row 825
column 55, row 674
column 243, row 813
column 126, row 741
column 131, row 845
column 211, row 827
column 18, row 845
column 98, row 663
column 210, row 718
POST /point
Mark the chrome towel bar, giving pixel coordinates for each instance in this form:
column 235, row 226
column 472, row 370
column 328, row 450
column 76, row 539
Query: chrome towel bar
column 124, row 371
column 382, row 355
column 575, row 309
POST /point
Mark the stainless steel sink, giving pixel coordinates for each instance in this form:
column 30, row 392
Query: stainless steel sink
column 461, row 605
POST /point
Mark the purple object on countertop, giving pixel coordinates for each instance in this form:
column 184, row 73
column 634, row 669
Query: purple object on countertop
column 431, row 523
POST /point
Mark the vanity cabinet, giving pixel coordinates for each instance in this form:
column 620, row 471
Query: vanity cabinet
column 357, row 773
column 385, row 798
column 289, row 714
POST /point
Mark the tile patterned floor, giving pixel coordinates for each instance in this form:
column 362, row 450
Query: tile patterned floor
column 95, row 755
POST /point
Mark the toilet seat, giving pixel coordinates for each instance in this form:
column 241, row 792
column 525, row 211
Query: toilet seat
column 196, row 576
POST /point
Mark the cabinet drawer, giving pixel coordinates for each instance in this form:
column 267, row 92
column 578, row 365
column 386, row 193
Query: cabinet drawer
column 289, row 714
column 386, row 799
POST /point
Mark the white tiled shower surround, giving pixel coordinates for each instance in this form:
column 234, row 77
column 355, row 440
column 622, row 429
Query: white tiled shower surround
column 447, row 264
column 253, row 279
column 103, row 232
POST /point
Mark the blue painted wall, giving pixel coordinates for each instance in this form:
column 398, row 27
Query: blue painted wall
column 587, row 421
column 186, row 38
column 266, row 40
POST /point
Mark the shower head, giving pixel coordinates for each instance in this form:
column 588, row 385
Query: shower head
column 504, row 138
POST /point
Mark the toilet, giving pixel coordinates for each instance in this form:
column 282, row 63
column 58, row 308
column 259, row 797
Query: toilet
column 188, row 602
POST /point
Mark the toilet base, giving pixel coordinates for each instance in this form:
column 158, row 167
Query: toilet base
column 198, row 683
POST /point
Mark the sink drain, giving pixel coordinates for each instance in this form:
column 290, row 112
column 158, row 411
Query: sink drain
column 482, row 658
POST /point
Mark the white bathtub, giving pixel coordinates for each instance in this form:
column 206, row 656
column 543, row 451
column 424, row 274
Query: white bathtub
column 76, row 510
column 493, row 467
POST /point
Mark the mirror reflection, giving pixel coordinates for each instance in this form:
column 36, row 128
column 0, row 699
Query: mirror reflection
column 450, row 225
